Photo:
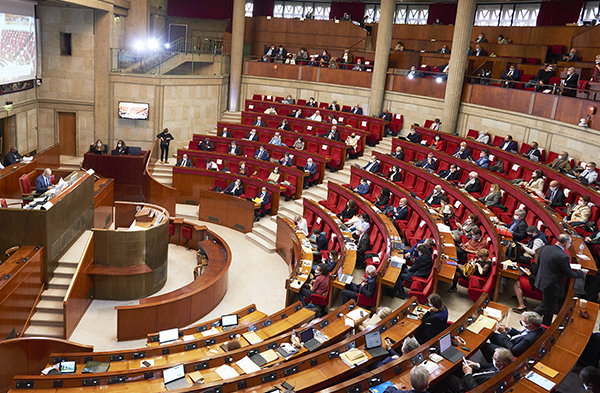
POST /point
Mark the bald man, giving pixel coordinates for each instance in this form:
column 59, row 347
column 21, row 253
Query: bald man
column 43, row 183
column 570, row 83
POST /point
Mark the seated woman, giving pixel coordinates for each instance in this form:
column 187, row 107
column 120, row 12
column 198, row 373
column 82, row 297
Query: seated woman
column 319, row 286
column 299, row 144
column 482, row 264
column 120, row 149
column 348, row 212
column 536, row 183
column 493, row 198
column 526, row 281
column 446, row 211
column 352, row 145
column 578, row 214
column 395, row 174
column 467, row 226
column 434, row 321
column 384, row 199
column 98, row 147
column 274, row 176
column 301, row 224
column 381, row 313
column 437, row 143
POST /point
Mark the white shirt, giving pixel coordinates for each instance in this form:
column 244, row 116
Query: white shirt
column 212, row 165
column 483, row 138
column 303, row 226
column 435, row 127
column 315, row 117
column 591, row 176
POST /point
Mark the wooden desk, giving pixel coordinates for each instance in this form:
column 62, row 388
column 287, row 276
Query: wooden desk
column 104, row 199
column 228, row 210
column 21, row 285
column 128, row 172
column 9, row 176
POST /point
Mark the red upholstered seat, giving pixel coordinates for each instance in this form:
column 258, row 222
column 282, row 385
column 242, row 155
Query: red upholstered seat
column 171, row 229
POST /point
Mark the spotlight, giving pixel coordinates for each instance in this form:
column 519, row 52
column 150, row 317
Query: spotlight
column 152, row 44
column 139, row 45
column 8, row 106
column 411, row 76
column 167, row 45
column 439, row 79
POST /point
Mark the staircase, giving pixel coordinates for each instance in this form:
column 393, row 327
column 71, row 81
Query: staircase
column 47, row 321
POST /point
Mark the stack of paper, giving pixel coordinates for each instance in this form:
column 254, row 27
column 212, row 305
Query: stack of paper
column 252, row 338
column 247, row 365
column 226, row 372
column 210, row 332
column 354, row 357
column 356, row 314
column 492, row 313
column 269, row 356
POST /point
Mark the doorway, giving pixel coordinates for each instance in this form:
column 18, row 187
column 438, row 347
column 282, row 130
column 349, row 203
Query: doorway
column 67, row 129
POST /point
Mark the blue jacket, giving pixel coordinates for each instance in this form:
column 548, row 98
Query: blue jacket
column 259, row 123
column 266, row 200
column 429, row 166
column 362, row 188
column 254, row 138
column 41, row 185
column 401, row 214
column 312, row 170
column 264, row 155
column 483, row 162
column 516, row 342
column 357, row 111
column 372, row 167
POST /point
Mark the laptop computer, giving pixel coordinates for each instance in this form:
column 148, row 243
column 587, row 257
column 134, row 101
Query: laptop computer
column 174, row 378
column 165, row 336
column 309, row 340
column 373, row 344
column 229, row 322
column 448, row 351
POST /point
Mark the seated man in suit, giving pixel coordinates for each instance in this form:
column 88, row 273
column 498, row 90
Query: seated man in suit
column 473, row 184
column 462, row 151
column 413, row 136
column 533, row 153
column 252, row 136
column 334, row 106
column 435, row 196
column 414, row 73
column 311, row 169
column 332, row 134
column 385, row 115
column 421, row 268
column 398, row 153
column 401, row 211
column 12, row 157
column 513, row 339
column 588, row 175
column 357, row 110
column 572, row 56
column 373, row 165
column 259, row 122
column 225, row 133
column 206, row 145
column 509, row 144
column 561, row 163
column 276, row 140
column 296, row 113
column 286, row 160
column 518, row 227
column 451, row 174
column 43, row 183
column 570, row 83
column 484, row 160
column 474, row 374
column 444, row 50
column 478, row 51
column 510, row 76
column 555, row 197
column 264, row 198
column 236, row 189
column 366, row 287
column 262, row 154
column 429, row 163
column 284, row 125
column 363, row 187
column 419, row 380
column 184, row 161
column 234, row 149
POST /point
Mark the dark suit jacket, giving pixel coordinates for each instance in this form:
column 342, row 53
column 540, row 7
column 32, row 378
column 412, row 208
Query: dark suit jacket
column 188, row 163
column 534, row 152
column 401, row 214
column 40, row 185
column 509, row 146
column 311, row 104
column 321, row 242
column 386, row 117
column 485, row 372
column 520, row 231
column 335, row 137
column 463, row 156
column 492, row 201
column 394, row 177
column 373, row 167
column 11, row 158
column 259, row 123
column 332, row 107
column 559, row 198
column 422, row 266
column 285, row 127
column 312, row 170
column 357, row 111
column 414, row 138
column 474, row 53
column 516, row 75
column 447, row 175
column 399, row 156
column 121, row 151
column 364, row 243
column 225, row 134
column 563, row 166
column 427, row 165
column 267, row 199
column 475, row 187
column 206, row 146
column 571, row 80
column 554, row 267
column 238, row 151
column 286, row 161
column 229, row 190
column 262, row 155
column 254, row 138
column 368, row 290
column 435, row 199
column 520, row 344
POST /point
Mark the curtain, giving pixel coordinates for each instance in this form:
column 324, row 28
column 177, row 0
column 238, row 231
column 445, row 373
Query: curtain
column 355, row 9
column 263, row 7
column 559, row 12
column 445, row 11
column 203, row 9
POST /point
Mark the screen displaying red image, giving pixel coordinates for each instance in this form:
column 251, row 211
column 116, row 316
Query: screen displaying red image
column 133, row 110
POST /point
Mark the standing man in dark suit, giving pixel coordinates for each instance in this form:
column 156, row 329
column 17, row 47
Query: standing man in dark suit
column 234, row 149
column 554, row 267
column 259, row 122
column 366, row 287
column 252, row 136
column 510, row 338
column 363, row 244
column 311, row 169
column 555, row 197
column 570, row 83
column 165, row 140
column 184, row 162
column 43, row 183
column 474, row 374
column 421, row 268
column 357, row 110
column 236, row 189
column 12, row 157
column 225, row 133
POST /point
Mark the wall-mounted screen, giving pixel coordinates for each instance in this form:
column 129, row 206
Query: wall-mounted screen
column 18, row 53
column 133, row 110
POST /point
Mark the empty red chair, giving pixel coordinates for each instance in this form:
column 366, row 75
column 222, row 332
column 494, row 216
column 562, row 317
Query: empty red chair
column 472, row 134
column 186, row 233
column 171, row 229
column 331, row 201
column 257, row 97
column 301, row 102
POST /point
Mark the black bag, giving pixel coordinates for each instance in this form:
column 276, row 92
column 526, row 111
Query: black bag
column 511, row 251
column 217, row 189
column 497, row 167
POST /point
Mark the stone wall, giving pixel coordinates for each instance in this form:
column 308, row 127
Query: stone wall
column 583, row 144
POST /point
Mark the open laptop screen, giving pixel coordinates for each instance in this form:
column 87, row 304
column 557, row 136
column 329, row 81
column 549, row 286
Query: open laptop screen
column 307, row 335
column 445, row 342
column 164, row 336
column 173, row 373
column 229, row 320
column 373, row 339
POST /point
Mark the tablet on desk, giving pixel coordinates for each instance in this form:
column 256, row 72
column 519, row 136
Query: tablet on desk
column 67, row 367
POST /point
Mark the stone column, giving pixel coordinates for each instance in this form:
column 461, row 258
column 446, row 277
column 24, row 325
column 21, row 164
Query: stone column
column 102, row 37
column 237, row 52
column 458, row 62
column 382, row 55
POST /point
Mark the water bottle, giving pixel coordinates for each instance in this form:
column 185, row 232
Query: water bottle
column 581, row 247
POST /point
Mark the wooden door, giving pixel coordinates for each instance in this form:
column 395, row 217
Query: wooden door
column 67, row 131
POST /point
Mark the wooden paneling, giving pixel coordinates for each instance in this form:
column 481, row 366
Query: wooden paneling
column 9, row 179
column 570, row 110
column 341, row 77
column 233, row 212
column 269, row 70
column 79, row 295
column 404, row 60
column 498, row 97
column 542, row 106
column 49, row 158
column 419, row 86
column 104, row 199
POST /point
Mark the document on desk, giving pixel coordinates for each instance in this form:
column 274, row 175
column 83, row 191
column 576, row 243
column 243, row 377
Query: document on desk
column 492, row 313
column 540, row 381
column 252, row 338
column 575, row 266
column 210, row 332
column 269, row 356
column 356, row 314
column 226, row 372
column 247, row 365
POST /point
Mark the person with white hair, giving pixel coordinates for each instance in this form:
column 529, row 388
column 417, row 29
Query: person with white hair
column 513, row 339
column 366, row 287
column 419, row 379
column 475, row 374
column 473, row 184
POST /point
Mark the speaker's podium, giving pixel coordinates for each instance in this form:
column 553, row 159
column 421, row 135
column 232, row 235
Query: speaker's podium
column 54, row 220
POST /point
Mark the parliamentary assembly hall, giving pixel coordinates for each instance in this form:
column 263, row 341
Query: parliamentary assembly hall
column 336, row 196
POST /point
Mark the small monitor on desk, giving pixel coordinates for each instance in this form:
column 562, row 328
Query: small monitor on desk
column 229, row 321
column 165, row 336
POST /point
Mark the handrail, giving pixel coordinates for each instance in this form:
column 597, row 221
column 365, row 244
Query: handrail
column 78, row 269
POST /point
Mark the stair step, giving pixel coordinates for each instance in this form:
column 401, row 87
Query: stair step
column 53, row 294
column 268, row 226
column 47, row 319
column 68, row 264
column 264, row 234
column 65, row 272
column 50, row 306
column 44, row 331
column 59, row 283
column 262, row 243
column 286, row 214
